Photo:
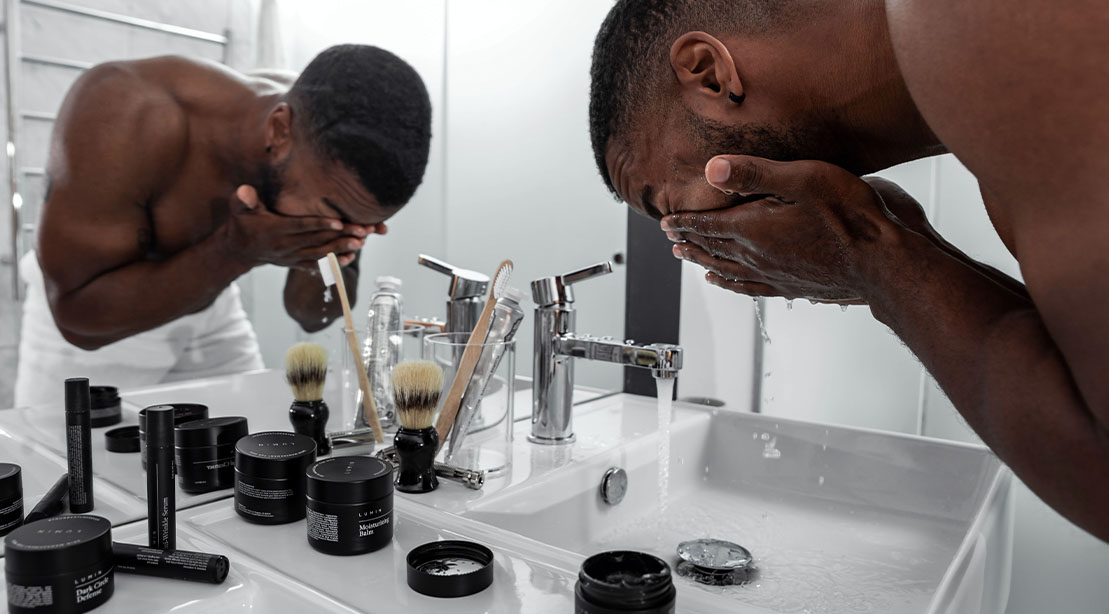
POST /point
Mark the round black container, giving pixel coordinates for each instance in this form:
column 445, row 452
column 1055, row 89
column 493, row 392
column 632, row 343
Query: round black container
column 182, row 413
column 60, row 565
column 624, row 581
column 270, row 476
column 11, row 498
column 205, row 452
column 106, row 409
column 450, row 568
column 350, row 505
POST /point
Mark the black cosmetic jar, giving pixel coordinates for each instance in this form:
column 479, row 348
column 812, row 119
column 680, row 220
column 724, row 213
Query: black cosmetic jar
column 204, row 451
column 11, row 497
column 270, row 476
column 623, row 581
column 105, row 408
column 350, row 505
column 182, row 413
column 59, row 565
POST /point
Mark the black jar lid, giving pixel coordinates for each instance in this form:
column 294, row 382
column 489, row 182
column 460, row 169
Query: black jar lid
column 208, row 432
column 58, row 545
column 182, row 412
column 350, row 479
column 104, row 397
column 450, row 568
column 11, row 481
column 123, row 439
column 275, row 455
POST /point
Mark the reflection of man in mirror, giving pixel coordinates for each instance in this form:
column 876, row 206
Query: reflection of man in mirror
column 743, row 126
column 169, row 178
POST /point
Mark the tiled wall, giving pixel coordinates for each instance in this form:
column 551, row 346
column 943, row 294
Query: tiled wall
column 40, row 89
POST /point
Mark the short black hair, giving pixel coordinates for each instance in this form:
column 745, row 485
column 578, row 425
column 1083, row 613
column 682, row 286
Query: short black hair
column 367, row 109
column 631, row 55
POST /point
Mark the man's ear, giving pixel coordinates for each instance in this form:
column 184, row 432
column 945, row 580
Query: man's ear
column 279, row 132
column 706, row 71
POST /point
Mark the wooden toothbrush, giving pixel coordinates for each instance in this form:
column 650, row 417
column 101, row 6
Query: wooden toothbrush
column 473, row 351
column 335, row 278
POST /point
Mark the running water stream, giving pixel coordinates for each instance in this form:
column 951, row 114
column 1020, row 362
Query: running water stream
column 665, row 413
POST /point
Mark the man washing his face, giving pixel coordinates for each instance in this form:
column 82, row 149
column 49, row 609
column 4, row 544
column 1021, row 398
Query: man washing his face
column 169, row 178
column 744, row 125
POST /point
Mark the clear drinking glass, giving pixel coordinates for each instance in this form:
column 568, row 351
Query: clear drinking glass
column 487, row 445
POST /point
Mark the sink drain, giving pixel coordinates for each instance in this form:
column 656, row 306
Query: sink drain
column 715, row 562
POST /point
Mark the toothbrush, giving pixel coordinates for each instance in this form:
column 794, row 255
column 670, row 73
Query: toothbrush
column 333, row 276
column 473, row 351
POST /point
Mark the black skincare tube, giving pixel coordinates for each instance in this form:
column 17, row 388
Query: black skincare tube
column 52, row 503
column 160, row 504
column 78, row 440
column 171, row 564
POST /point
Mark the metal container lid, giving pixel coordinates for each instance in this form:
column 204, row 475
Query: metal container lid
column 11, row 481
column 276, row 455
column 350, row 479
column 208, row 432
column 58, row 545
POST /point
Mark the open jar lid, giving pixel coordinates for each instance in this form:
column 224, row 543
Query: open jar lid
column 450, row 568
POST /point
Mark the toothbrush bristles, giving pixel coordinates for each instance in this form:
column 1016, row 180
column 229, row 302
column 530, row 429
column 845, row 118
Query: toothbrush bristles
column 500, row 282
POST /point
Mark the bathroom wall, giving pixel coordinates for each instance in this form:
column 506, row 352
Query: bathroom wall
column 40, row 88
column 521, row 182
column 838, row 367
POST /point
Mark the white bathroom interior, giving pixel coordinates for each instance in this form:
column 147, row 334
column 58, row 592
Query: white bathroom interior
column 511, row 174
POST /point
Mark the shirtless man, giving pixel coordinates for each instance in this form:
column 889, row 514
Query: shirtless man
column 743, row 125
column 169, row 178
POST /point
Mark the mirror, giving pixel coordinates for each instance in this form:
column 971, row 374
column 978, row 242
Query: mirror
column 510, row 171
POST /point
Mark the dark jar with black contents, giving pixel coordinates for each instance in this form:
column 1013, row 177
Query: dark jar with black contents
column 59, row 565
column 205, row 452
column 350, row 505
column 270, row 476
column 624, row 582
column 11, row 497
column 105, row 408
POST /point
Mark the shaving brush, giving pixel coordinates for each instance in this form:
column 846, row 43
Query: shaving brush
column 416, row 388
column 306, row 370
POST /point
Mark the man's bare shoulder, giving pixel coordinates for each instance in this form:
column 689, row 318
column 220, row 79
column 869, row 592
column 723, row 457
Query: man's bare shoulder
column 1013, row 89
column 118, row 120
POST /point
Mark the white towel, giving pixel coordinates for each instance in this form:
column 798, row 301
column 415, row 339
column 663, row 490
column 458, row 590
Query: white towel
column 216, row 341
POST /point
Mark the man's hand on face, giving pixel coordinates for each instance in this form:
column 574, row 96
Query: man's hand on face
column 806, row 237
column 259, row 236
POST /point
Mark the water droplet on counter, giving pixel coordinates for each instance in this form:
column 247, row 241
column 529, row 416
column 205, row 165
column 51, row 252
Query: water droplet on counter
column 789, row 304
column 843, row 308
column 820, row 481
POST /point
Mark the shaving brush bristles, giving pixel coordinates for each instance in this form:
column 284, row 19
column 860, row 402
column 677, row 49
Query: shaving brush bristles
column 417, row 385
column 306, row 370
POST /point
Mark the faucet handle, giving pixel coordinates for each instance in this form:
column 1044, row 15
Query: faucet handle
column 547, row 291
column 464, row 282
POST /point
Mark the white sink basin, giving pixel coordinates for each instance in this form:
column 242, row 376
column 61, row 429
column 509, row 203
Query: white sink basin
column 377, row 581
column 839, row 520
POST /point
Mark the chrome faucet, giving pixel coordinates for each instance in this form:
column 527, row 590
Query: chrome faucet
column 465, row 296
column 556, row 347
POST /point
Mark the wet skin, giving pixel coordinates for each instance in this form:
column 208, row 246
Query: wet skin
column 1024, row 364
